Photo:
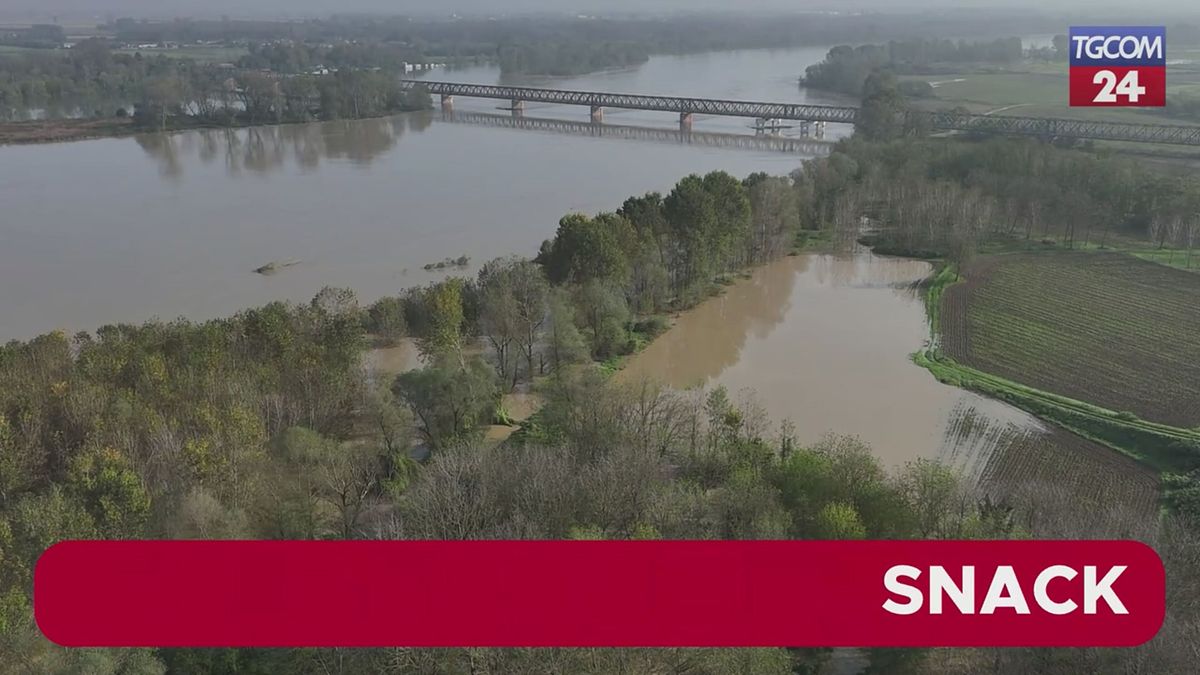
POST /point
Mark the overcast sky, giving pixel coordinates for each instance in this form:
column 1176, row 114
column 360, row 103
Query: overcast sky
column 295, row 8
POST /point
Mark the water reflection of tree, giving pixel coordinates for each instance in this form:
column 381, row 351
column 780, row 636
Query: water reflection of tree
column 710, row 338
column 863, row 269
column 270, row 148
column 162, row 147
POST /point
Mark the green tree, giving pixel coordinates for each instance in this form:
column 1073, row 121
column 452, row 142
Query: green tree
column 882, row 114
column 602, row 310
column 564, row 345
column 450, row 399
column 692, row 218
column 840, row 521
column 385, row 318
column 111, row 491
column 585, row 249
column 732, row 207
column 443, row 304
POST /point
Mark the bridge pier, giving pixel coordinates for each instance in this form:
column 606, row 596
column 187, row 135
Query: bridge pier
column 597, row 114
column 447, row 103
column 685, row 121
column 819, row 129
column 518, row 107
column 767, row 125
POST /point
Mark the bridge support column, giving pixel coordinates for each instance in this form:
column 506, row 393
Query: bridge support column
column 685, row 121
column 447, row 103
column 819, row 129
column 805, row 128
column 518, row 108
column 597, row 114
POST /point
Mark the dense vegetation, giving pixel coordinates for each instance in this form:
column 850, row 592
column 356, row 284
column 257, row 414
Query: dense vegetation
column 930, row 197
column 846, row 68
column 567, row 58
column 169, row 92
column 475, row 36
column 60, row 81
column 263, row 426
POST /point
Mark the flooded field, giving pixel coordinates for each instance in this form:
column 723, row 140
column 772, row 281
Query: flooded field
column 825, row 341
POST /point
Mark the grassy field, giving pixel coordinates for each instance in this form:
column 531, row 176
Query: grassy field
column 1039, row 89
column 199, row 54
column 1108, row 329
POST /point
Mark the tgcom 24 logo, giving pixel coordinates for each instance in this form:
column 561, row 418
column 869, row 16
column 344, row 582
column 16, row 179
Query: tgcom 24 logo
column 1118, row 66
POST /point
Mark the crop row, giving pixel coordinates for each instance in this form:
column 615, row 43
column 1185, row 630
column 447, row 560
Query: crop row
column 1106, row 328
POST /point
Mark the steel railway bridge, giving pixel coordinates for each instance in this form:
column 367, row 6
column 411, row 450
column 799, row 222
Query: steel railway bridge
column 769, row 114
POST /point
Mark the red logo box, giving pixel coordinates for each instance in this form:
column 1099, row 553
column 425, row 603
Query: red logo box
column 1101, row 86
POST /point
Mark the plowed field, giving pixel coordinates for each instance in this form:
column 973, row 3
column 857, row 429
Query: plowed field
column 1105, row 328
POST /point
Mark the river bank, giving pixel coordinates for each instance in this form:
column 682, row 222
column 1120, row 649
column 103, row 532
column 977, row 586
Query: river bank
column 65, row 130
column 28, row 132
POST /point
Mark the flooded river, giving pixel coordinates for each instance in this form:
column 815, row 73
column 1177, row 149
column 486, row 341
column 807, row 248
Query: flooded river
column 127, row 229
column 825, row 340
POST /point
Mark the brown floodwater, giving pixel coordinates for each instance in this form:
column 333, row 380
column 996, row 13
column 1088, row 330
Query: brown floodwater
column 128, row 229
column 825, row 341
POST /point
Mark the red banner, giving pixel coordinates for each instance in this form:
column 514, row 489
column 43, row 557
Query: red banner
column 599, row 593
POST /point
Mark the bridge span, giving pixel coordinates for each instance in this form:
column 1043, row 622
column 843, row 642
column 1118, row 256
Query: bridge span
column 769, row 114
column 686, row 107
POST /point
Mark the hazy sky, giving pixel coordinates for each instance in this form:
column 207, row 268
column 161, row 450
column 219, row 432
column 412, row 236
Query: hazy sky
column 166, row 8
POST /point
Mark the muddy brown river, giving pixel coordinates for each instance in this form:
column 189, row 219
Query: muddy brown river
column 825, row 341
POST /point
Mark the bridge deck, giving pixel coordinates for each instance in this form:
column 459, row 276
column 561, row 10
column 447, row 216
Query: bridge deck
column 1041, row 127
column 699, row 106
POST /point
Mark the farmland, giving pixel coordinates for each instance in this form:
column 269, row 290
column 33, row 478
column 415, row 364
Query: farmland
column 1015, row 460
column 1109, row 329
column 198, row 53
column 1039, row 89
column 1108, row 490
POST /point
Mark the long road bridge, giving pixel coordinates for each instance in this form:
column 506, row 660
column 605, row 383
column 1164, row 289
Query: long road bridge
column 769, row 114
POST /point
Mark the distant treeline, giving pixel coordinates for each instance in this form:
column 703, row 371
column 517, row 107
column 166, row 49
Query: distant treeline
column 299, row 57
column 561, row 46
column 168, row 92
column 846, row 68
column 565, row 58
column 87, row 75
column 935, row 198
column 681, row 33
